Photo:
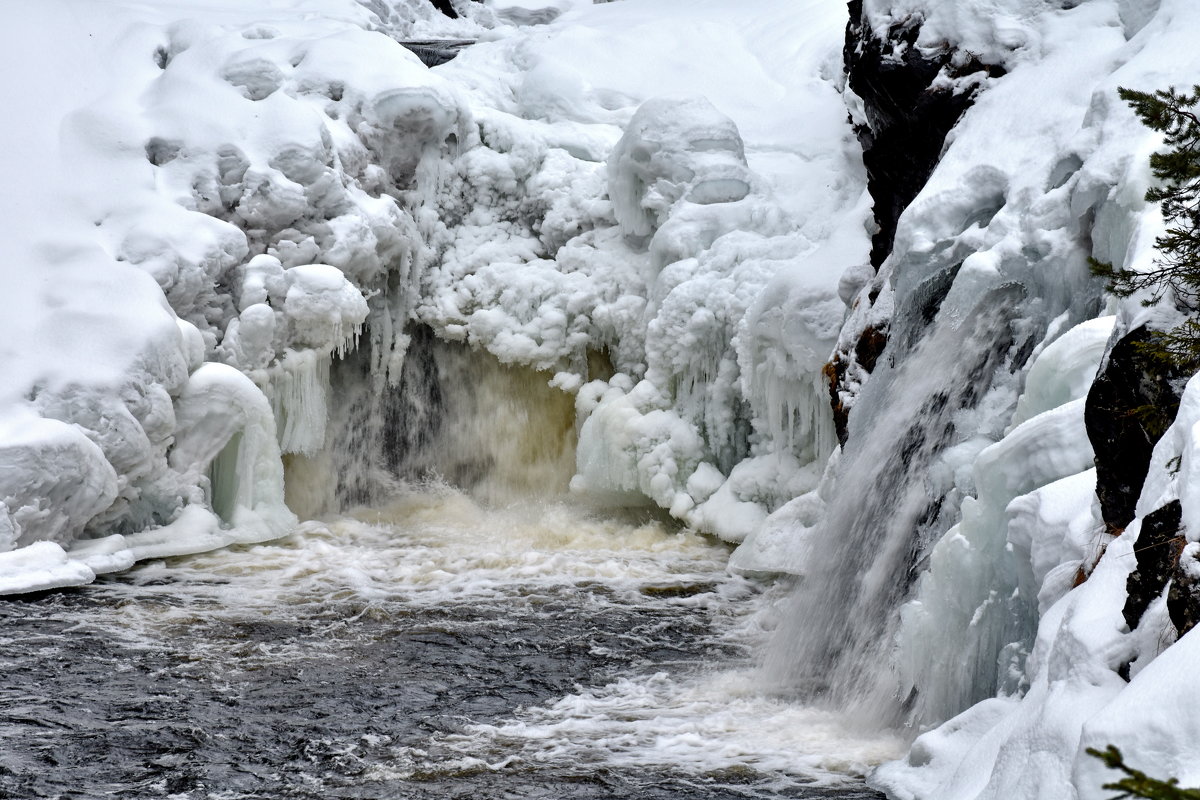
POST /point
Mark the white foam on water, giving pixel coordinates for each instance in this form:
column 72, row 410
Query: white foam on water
column 435, row 546
column 438, row 548
column 714, row 724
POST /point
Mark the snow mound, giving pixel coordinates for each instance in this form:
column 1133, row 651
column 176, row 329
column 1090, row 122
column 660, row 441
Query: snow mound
column 225, row 174
column 672, row 150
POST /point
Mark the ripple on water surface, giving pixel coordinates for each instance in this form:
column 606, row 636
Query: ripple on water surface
column 430, row 649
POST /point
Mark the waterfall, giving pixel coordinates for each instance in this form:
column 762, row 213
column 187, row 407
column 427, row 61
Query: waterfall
column 455, row 415
column 895, row 495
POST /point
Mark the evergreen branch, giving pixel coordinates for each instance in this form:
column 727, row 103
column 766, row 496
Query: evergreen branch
column 1137, row 783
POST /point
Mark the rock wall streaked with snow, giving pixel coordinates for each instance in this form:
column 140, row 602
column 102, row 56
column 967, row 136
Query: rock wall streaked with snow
column 1023, row 595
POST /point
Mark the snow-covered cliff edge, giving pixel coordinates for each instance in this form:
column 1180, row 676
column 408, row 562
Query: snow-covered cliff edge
column 1023, row 594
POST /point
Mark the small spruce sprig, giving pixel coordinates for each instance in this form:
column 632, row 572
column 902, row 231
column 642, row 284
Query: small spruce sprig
column 1137, row 783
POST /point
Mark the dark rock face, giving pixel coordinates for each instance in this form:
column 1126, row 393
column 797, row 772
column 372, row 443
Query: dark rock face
column 870, row 344
column 1157, row 553
column 1183, row 599
column 1128, row 408
column 1163, row 564
column 447, row 7
column 907, row 117
column 907, row 122
column 1130, row 405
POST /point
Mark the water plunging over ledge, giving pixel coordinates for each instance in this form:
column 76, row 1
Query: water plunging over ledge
column 433, row 643
column 891, row 504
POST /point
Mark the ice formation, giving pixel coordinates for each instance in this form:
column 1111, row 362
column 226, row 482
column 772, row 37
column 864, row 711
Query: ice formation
column 179, row 290
column 1023, row 595
column 265, row 254
column 257, row 194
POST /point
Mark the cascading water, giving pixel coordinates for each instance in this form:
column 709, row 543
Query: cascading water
column 895, row 495
column 504, row 640
column 455, row 415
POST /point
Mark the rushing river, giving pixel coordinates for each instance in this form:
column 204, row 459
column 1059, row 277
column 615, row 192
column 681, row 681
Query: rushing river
column 429, row 649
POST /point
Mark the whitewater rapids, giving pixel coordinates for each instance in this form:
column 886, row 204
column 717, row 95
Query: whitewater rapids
column 429, row 648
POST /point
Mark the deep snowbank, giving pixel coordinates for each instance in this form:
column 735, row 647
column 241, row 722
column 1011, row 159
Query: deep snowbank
column 169, row 146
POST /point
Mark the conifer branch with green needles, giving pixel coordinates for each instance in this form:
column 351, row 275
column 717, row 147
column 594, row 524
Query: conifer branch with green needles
column 1137, row 783
column 1177, row 266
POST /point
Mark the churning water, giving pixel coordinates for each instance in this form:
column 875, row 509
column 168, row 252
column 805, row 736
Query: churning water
column 431, row 648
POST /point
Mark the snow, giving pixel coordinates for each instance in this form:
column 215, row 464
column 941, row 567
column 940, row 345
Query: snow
column 1064, row 370
column 1032, row 609
column 1145, row 720
column 674, row 149
column 786, row 537
column 242, row 190
column 41, row 565
column 1173, row 461
column 1027, row 749
column 711, row 287
column 663, row 207
column 147, row 118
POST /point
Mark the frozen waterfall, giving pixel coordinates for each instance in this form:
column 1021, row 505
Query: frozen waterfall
column 894, row 489
column 759, row 314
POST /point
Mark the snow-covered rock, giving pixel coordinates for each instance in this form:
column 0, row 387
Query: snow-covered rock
column 1037, row 609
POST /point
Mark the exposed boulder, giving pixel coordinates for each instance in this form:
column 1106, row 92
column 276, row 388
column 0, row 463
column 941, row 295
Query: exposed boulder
column 1158, row 548
column 1128, row 408
column 908, row 112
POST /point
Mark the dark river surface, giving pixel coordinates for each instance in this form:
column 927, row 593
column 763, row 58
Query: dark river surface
column 432, row 649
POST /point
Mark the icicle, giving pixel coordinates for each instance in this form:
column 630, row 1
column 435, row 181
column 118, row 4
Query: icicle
column 298, row 388
column 796, row 413
column 223, row 479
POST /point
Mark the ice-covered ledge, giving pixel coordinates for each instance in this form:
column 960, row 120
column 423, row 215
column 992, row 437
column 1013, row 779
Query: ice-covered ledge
column 251, row 184
column 121, row 436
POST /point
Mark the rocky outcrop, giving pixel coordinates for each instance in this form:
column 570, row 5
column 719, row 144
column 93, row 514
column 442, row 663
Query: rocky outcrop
column 1183, row 596
column 858, row 361
column 1128, row 408
column 1158, row 548
column 1131, row 403
column 1164, row 563
column 908, row 113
